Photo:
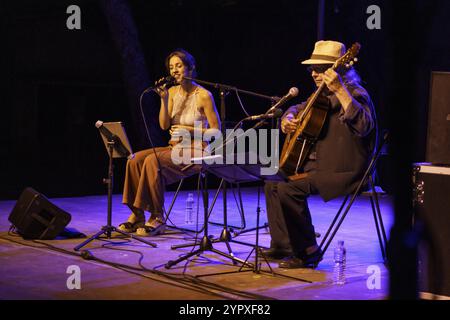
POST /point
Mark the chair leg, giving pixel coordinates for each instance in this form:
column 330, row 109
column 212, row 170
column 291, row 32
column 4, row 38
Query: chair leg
column 377, row 226
column 341, row 220
column 173, row 202
column 175, row 196
column 239, row 205
column 381, row 233
column 336, row 217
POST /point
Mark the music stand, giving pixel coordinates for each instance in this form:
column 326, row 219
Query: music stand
column 244, row 173
column 117, row 145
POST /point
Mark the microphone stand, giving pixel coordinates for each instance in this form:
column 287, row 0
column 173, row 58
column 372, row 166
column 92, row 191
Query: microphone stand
column 224, row 90
column 227, row 88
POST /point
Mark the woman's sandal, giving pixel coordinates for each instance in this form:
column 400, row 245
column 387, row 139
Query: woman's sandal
column 130, row 227
column 153, row 228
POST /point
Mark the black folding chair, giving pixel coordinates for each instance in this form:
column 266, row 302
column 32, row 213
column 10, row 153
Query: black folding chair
column 368, row 180
column 169, row 223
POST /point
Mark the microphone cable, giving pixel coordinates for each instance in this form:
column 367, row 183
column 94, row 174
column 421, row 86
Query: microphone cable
column 240, row 102
column 160, row 168
column 152, row 146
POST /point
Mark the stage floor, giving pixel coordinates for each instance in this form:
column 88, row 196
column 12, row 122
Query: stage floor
column 127, row 269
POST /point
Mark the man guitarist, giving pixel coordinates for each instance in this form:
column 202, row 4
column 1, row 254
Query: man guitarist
column 334, row 164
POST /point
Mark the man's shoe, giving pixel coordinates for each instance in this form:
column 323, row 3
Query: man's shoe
column 291, row 263
column 313, row 259
column 275, row 253
column 308, row 261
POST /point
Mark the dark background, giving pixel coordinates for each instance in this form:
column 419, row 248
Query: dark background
column 55, row 82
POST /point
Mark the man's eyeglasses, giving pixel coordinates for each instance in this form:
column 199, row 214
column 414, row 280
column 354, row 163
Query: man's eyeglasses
column 319, row 68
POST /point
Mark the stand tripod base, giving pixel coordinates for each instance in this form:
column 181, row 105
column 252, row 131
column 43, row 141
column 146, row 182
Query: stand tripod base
column 225, row 237
column 239, row 232
column 107, row 230
column 206, row 245
column 256, row 268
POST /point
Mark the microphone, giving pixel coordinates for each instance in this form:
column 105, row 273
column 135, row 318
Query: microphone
column 168, row 81
column 275, row 114
column 293, row 92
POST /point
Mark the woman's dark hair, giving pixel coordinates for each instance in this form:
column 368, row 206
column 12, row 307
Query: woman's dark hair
column 187, row 59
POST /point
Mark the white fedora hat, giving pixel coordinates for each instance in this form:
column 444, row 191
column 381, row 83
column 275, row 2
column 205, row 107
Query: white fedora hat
column 326, row 52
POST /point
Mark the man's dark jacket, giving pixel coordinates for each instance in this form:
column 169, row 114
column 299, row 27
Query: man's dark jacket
column 345, row 145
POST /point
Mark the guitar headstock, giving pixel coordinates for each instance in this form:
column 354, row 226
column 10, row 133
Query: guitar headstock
column 349, row 58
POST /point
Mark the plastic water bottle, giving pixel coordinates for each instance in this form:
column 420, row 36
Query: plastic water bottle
column 188, row 218
column 339, row 263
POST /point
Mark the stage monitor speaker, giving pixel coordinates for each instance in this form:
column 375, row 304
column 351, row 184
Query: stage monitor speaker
column 432, row 208
column 438, row 133
column 35, row 217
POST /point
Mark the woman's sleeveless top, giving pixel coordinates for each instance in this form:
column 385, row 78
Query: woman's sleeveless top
column 186, row 109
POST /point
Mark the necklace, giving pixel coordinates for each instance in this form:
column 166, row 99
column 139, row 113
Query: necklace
column 188, row 94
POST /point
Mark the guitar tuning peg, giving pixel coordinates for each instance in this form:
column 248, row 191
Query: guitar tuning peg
column 351, row 63
column 355, row 59
column 347, row 65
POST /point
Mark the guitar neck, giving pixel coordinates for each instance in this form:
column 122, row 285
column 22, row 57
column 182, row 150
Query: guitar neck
column 311, row 102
